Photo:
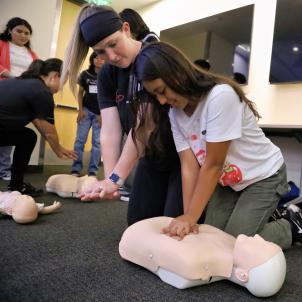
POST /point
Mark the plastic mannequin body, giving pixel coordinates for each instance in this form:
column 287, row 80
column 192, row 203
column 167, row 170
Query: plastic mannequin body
column 67, row 186
column 202, row 258
column 22, row 208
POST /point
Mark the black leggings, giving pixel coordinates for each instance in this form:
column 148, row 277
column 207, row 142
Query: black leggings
column 154, row 192
column 24, row 140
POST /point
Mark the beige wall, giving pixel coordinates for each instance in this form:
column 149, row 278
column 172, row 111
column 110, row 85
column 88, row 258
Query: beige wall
column 66, row 117
column 278, row 104
column 185, row 44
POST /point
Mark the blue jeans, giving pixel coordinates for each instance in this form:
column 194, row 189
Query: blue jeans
column 90, row 121
column 5, row 162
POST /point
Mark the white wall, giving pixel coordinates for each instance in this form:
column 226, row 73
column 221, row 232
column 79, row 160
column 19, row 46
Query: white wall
column 278, row 104
column 43, row 16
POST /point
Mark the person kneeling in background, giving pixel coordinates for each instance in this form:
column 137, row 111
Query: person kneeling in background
column 29, row 98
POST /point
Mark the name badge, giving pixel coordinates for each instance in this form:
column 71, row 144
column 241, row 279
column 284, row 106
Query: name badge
column 93, row 89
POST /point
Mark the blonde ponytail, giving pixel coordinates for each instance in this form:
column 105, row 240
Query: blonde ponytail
column 76, row 50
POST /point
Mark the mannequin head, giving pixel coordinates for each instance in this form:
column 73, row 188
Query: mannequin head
column 24, row 210
column 247, row 256
column 259, row 265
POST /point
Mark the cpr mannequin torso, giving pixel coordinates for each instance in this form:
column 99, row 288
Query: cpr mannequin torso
column 206, row 257
column 67, row 186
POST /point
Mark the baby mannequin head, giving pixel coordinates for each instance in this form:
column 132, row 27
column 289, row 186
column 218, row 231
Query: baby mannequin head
column 24, row 210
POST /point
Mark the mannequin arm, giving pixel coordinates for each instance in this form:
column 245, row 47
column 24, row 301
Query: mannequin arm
column 49, row 209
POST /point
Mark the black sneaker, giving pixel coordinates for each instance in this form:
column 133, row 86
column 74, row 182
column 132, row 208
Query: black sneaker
column 278, row 214
column 75, row 173
column 26, row 189
column 293, row 214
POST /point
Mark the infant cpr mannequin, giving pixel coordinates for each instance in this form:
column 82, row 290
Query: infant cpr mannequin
column 67, row 186
column 206, row 257
column 23, row 208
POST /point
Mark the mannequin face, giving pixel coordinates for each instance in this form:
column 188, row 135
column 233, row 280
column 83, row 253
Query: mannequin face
column 117, row 49
column 25, row 209
column 20, row 35
column 246, row 251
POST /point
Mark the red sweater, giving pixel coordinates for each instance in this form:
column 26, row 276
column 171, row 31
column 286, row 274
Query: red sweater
column 5, row 59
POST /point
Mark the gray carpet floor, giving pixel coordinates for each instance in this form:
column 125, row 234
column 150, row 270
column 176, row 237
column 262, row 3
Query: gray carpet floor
column 72, row 255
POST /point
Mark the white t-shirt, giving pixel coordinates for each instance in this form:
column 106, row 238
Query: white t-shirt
column 222, row 117
column 20, row 58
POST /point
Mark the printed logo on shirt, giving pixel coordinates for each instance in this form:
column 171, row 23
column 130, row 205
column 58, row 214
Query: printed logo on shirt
column 119, row 97
column 231, row 175
column 197, row 148
column 93, row 89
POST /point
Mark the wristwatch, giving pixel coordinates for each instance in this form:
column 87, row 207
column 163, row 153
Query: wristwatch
column 116, row 179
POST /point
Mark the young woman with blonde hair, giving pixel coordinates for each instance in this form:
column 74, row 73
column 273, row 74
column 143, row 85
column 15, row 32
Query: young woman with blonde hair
column 156, row 189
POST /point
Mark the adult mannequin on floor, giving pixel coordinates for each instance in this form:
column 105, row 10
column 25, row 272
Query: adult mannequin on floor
column 233, row 171
column 15, row 57
column 207, row 256
column 29, row 98
column 156, row 189
column 22, row 208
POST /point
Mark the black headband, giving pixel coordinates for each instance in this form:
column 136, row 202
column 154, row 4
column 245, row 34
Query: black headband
column 100, row 25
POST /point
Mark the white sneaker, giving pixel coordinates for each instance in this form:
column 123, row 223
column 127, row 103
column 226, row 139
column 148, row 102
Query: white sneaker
column 6, row 177
column 124, row 194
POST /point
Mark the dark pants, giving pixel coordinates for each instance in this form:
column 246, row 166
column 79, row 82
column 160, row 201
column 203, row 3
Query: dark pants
column 24, row 140
column 248, row 211
column 155, row 192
